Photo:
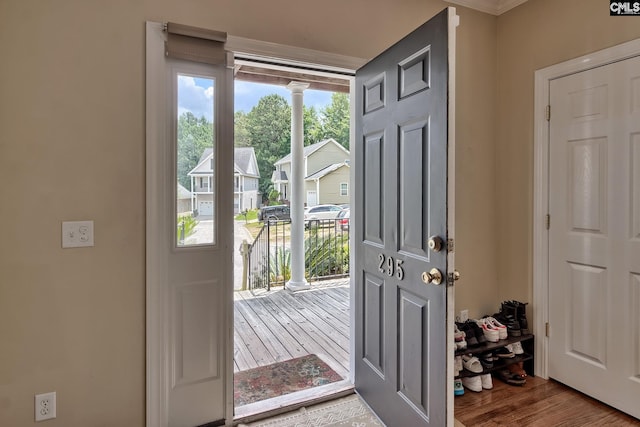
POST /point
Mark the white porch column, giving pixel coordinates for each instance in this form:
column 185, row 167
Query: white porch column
column 297, row 281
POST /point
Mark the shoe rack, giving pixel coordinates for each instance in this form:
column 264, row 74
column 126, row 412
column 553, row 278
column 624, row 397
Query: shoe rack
column 527, row 342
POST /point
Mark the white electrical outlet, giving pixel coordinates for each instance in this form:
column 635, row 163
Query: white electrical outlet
column 76, row 234
column 45, row 406
column 464, row 315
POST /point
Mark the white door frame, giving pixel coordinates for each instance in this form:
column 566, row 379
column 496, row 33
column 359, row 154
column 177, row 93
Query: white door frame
column 541, row 183
column 156, row 306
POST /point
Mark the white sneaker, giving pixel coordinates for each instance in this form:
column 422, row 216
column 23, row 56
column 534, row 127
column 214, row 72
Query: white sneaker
column 502, row 329
column 517, row 348
column 490, row 332
column 473, row 383
column 487, row 382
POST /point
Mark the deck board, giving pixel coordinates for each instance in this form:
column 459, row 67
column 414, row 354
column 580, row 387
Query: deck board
column 278, row 325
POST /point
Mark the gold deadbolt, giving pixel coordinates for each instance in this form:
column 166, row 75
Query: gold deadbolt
column 436, row 243
column 433, row 276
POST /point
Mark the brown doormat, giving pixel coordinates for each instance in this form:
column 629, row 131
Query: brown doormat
column 281, row 378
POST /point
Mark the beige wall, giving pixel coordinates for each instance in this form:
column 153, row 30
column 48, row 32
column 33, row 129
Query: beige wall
column 477, row 289
column 330, row 187
column 535, row 35
column 325, row 156
column 72, row 128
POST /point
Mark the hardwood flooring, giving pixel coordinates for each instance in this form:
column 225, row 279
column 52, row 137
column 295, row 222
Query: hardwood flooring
column 538, row 403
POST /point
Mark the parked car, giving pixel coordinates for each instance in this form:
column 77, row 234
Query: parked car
column 274, row 212
column 314, row 215
column 342, row 220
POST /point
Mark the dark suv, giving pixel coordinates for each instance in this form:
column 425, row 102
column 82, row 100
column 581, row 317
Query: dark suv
column 274, row 212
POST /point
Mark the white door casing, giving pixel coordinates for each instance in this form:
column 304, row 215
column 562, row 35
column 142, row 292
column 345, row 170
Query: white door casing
column 323, row 63
column 189, row 299
column 594, row 241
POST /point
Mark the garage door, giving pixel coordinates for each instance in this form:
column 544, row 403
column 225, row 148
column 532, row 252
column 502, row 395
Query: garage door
column 205, row 208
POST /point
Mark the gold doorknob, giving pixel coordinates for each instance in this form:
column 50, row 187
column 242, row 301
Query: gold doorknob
column 455, row 275
column 436, row 243
column 433, row 276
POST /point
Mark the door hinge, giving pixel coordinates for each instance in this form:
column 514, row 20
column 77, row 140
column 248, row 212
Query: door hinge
column 546, row 329
column 547, row 112
column 450, row 245
column 547, row 221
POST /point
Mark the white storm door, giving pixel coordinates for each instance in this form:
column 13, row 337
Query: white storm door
column 402, row 146
column 189, row 258
column 594, row 239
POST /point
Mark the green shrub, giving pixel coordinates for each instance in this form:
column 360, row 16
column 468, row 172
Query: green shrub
column 185, row 226
column 326, row 255
column 280, row 265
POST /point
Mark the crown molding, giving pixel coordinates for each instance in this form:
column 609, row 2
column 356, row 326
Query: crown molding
column 494, row 7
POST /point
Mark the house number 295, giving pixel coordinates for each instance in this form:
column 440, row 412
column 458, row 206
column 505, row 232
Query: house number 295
column 390, row 266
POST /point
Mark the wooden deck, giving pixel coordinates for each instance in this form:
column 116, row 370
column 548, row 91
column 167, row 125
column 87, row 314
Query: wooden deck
column 272, row 326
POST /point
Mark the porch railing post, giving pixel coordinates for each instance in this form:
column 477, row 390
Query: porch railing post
column 244, row 250
column 269, row 255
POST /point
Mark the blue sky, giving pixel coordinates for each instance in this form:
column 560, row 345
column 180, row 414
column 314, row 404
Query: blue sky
column 196, row 95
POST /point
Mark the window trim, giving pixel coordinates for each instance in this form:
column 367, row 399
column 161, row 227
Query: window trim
column 346, row 192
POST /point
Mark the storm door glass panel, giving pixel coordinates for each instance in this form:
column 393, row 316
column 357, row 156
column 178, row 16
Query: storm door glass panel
column 196, row 203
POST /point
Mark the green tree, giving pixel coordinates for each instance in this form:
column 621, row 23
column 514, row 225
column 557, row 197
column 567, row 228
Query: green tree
column 269, row 129
column 241, row 133
column 335, row 119
column 312, row 127
column 194, row 136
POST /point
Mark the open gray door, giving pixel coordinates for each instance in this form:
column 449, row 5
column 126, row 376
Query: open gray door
column 402, row 134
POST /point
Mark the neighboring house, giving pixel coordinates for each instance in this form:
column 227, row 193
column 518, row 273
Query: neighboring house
column 184, row 199
column 326, row 171
column 246, row 176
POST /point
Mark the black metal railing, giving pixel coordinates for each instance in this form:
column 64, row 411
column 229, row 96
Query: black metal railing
column 326, row 252
column 326, row 249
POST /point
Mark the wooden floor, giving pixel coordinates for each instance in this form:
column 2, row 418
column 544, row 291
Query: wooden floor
column 280, row 325
column 538, row 403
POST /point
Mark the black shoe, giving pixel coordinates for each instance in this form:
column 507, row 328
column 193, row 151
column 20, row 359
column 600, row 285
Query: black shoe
column 513, row 326
column 477, row 330
column 522, row 317
column 470, row 335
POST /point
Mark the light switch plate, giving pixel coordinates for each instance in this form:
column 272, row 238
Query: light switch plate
column 77, row 234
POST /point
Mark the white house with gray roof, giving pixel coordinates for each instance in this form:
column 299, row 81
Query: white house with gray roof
column 246, row 176
column 326, row 171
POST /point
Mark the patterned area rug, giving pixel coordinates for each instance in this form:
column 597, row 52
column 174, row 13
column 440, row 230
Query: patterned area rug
column 281, row 378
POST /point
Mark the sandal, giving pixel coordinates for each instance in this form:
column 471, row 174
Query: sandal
column 510, row 378
column 472, row 363
column 517, row 369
